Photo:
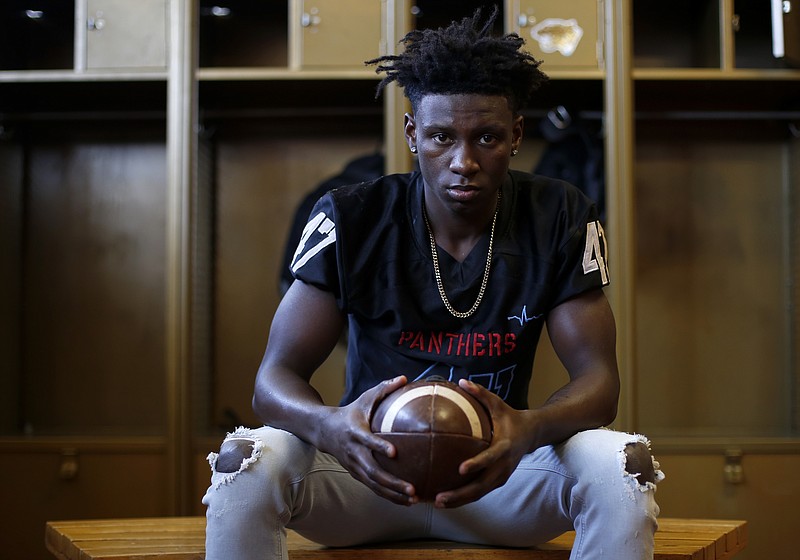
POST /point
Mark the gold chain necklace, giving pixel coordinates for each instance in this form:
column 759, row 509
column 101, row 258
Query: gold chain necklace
column 438, row 274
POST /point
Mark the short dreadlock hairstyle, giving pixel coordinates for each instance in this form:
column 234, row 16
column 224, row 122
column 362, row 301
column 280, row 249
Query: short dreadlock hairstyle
column 462, row 58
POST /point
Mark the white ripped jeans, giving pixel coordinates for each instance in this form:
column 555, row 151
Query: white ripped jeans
column 580, row 484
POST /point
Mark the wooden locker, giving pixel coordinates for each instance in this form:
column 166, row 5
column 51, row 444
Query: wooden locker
column 126, row 35
column 340, row 33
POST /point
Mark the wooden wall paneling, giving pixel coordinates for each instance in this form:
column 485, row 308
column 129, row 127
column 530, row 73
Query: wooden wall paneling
column 93, row 275
column 767, row 497
column 711, row 276
column 261, row 180
column 74, row 481
column 11, row 230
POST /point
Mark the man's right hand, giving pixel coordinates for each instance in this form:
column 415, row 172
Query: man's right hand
column 346, row 434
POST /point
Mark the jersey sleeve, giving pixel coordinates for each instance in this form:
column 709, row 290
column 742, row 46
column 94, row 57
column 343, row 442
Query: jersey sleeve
column 315, row 259
column 583, row 257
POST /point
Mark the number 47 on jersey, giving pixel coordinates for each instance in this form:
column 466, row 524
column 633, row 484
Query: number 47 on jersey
column 595, row 251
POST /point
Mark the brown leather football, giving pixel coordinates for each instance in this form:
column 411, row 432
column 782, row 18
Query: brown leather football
column 435, row 426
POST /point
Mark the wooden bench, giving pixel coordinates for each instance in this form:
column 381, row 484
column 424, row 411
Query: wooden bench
column 182, row 538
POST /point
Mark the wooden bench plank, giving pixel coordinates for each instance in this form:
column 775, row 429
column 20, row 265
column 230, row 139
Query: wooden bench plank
column 183, row 538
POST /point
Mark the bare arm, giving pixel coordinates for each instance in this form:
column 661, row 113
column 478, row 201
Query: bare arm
column 583, row 334
column 304, row 331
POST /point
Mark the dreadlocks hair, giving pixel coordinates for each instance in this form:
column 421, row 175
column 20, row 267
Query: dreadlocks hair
column 462, row 58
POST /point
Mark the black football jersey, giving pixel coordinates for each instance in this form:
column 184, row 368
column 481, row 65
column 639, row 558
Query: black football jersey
column 368, row 245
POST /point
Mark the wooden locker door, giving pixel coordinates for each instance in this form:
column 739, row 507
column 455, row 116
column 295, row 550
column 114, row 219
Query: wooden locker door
column 125, row 35
column 340, row 33
column 84, row 482
column 562, row 34
column 766, row 496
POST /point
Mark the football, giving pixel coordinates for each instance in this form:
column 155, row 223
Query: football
column 434, row 426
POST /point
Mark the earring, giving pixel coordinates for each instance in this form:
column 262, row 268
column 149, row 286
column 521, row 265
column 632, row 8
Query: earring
column 413, row 149
column 514, row 152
